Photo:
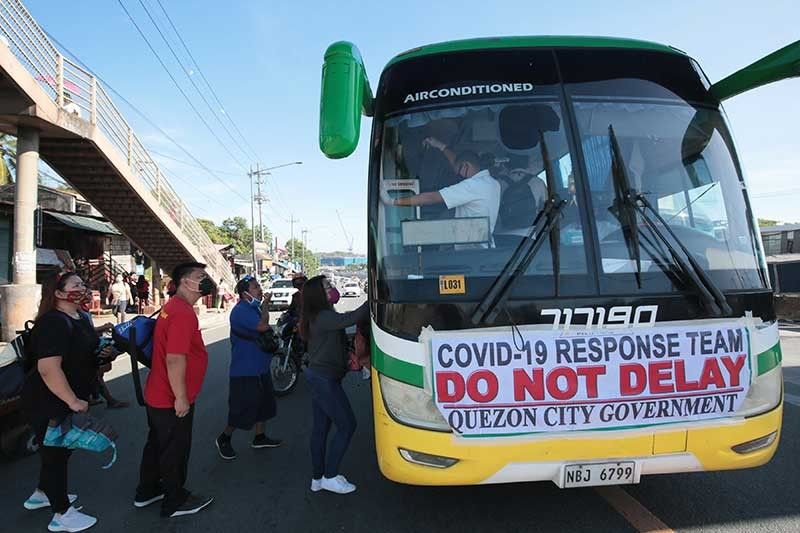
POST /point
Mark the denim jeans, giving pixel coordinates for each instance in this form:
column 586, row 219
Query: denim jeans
column 329, row 404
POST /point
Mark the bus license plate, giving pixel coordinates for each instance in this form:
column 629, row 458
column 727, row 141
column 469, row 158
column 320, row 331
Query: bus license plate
column 590, row 475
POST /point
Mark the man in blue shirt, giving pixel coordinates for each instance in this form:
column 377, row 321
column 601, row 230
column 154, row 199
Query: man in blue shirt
column 251, row 401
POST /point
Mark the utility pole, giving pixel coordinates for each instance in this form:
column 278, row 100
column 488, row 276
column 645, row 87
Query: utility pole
column 251, row 175
column 303, row 258
column 260, row 200
column 291, row 235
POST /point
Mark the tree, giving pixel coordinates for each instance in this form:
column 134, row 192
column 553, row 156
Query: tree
column 8, row 167
column 233, row 231
column 8, row 158
column 765, row 222
column 236, row 232
column 301, row 256
column 212, row 231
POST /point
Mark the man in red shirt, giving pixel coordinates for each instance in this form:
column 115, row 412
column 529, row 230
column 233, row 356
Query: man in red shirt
column 176, row 377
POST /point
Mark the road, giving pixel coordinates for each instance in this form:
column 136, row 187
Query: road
column 267, row 490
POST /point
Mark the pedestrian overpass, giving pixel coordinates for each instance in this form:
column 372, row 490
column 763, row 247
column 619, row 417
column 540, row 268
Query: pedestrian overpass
column 86, row 139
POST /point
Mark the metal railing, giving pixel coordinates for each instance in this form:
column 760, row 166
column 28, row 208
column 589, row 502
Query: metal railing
column 79, row 92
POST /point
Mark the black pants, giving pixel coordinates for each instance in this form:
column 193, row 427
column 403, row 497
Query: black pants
column 165, row 460
column 53, row 476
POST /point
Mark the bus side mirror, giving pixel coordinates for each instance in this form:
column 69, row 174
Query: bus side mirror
column 779, row 65
column 346, row 95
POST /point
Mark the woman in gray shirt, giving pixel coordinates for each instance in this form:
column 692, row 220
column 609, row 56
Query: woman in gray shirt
column 323, row 330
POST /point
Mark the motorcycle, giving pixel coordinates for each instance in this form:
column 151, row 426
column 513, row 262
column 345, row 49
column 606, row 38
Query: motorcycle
column 290, row 358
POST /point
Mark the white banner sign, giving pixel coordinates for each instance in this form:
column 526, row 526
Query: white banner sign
column 485, row 385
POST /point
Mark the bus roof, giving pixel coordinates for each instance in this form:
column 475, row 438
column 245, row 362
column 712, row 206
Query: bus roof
column 545, row 41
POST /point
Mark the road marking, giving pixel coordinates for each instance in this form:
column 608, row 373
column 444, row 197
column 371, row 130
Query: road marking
column 634, row 512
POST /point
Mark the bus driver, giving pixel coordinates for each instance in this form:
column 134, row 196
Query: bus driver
column 476, row 195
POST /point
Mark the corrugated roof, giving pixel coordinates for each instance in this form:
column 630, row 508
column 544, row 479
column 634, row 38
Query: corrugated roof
column 779, row 229
column 85, row 223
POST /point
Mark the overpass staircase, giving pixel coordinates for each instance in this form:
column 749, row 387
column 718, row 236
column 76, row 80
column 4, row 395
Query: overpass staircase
column 86, row 139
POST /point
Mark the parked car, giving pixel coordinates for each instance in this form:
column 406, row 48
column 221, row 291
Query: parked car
column 351, row 289
column 282, row 291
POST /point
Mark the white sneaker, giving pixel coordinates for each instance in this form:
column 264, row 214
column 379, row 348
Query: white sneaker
column 71, row 521
column 316, row 485
column 38, row 500
column 338, row 484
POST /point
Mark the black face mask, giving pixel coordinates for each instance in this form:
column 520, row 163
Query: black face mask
column 206, row 286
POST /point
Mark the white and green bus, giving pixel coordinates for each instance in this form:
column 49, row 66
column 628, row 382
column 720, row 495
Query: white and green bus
column 566, row 279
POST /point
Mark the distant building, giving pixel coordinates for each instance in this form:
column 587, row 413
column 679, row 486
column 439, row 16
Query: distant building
column 341, row 261
column 782, row 250
column 70, row 235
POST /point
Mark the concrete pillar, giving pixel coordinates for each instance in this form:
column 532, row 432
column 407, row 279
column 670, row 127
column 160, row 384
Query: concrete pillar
column 19, row 301
column 155, row 283
column 25, row 199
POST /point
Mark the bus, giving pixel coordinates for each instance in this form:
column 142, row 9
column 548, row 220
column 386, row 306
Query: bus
column 566, row 279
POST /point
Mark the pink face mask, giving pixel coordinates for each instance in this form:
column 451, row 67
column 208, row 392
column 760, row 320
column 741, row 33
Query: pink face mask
column 333, row 295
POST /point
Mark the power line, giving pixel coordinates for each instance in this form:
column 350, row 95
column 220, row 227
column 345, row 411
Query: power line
column 143, row 116
column 193, row 186
column 208, row 84
column 177, row 85
column 191, row 80
column 181, row 161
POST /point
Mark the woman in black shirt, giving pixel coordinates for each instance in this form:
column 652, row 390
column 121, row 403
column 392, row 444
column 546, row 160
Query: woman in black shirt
column 63, row 345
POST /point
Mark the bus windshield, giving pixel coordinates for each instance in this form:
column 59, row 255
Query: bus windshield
column 676, row 152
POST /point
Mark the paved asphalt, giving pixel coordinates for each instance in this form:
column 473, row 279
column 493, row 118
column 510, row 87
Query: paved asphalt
column 267, row 490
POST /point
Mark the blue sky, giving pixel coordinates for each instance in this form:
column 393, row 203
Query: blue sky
column 263, row 59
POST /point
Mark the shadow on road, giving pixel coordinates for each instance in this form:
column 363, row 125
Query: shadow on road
column 268, row 489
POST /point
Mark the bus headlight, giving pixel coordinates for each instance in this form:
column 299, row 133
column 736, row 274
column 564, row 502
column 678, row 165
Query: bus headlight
column 411, row 405
column 764, row 393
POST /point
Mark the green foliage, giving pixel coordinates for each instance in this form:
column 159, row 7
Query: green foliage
column 212, row 231
column 302, row 256
column 765, row 222
column 235, row 231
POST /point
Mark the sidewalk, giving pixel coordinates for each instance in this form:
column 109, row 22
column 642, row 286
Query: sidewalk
column 209, row 318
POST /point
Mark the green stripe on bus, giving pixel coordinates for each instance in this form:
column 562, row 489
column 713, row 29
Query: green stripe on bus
column 412, row 374
column 396, row 368
column 769, row 359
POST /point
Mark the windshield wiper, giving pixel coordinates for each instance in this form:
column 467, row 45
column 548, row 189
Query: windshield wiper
column 546, row 222
column 627, row 204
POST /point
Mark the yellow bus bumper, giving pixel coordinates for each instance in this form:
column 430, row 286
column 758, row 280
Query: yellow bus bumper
column 700, row 448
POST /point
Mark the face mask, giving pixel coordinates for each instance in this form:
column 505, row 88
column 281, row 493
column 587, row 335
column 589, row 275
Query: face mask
column 253, row 301
column 205, row 287
column 86, row 303
column 75, row 297
column 333, row 295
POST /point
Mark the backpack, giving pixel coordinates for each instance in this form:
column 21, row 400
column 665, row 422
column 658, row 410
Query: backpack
column 518, row 204
column 23, row 345
column 141, row 346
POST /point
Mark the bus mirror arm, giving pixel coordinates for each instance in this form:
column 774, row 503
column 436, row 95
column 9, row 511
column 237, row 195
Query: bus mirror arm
column 779, row 65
